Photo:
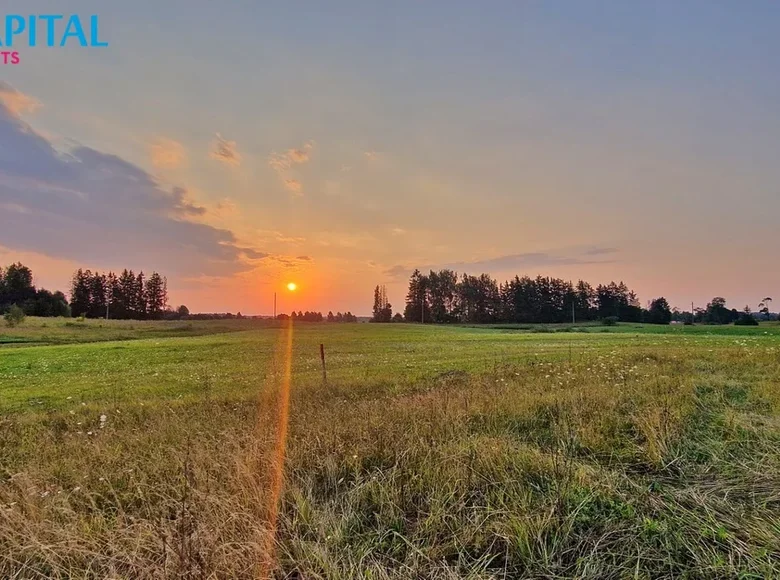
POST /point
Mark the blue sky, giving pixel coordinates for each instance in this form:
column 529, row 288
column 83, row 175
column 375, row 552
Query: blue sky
column 365, row 139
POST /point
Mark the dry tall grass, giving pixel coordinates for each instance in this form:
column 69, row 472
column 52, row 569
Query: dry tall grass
column 641, row 463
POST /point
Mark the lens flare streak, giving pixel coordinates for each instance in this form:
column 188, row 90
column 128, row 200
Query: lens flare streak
column 268, row 555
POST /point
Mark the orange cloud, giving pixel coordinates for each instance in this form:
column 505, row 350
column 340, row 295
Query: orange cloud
column 167, row 153
column 294, row 186
column 16, row 102
column 269, row 235
column 284, row 161
column 226, row 151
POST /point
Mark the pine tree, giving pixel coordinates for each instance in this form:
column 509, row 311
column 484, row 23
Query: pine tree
column 79, row 293
column 139, row 297
column 126, row 295
column 113, row 295
column 377, row 305
column 156, row 292
column 417, row 308
column 97, row 296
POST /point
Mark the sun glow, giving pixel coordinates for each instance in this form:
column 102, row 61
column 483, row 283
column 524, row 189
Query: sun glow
column 292, row 286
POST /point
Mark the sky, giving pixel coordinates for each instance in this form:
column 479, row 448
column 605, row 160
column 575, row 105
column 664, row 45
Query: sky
column 236, row 146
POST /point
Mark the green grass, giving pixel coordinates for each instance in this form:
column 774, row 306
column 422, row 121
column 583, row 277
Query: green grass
column 431, row 452
column 41, row 331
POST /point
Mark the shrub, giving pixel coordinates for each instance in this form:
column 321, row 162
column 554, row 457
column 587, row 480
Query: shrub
column 746, row 319
column 609, row 321
column 14, row 316
column 659, row 312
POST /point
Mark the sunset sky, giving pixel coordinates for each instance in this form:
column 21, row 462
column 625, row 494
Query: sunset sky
column 236, row 146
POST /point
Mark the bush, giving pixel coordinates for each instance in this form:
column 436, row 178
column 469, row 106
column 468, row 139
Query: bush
column 609, row 321
column 14, row 316
column 746, row 319
column 659, row 312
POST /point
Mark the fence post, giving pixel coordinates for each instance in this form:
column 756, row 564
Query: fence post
column 322, row 358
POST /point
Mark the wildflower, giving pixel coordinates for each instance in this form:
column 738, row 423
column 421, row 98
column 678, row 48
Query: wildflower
column 103, row 420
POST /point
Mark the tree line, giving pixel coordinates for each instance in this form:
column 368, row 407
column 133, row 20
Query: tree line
column 318, row 317
column 437, row 297
column 126, row 296
column 107, row 295
column 717, row 312
column 443, row 297
column 17, row 289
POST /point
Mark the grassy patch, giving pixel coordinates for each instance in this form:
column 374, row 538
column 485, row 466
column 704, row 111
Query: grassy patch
column 431, row 452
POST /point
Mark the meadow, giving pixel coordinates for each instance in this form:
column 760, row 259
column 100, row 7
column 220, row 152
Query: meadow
column 174, row 450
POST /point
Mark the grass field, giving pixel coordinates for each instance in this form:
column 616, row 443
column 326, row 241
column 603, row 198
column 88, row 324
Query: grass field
column 149, row 450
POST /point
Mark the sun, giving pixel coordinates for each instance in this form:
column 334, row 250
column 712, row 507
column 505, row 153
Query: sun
column 292, row 286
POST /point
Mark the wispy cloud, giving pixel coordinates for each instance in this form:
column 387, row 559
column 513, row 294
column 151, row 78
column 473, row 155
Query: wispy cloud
column 167, row 153
column 226, row 151
column 525, row 263
column 371, row 155
column 283, row 161
column 17, row 102
column 600, row 251
column 224, row 207
column 398, row 272
column 294, row 186
column 290, row 261
column 533, row 260
column 274, row 236
column 253, row 254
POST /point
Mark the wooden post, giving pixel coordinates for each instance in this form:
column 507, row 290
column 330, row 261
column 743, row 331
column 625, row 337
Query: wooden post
column 322, row 358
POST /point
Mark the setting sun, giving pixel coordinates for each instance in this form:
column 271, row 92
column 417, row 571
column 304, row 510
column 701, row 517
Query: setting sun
column 292, row 286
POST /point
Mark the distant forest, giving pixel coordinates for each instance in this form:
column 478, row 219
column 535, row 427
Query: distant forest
column 437, row 297
column 125, row 296
column 16, row 289
column 444, row 297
